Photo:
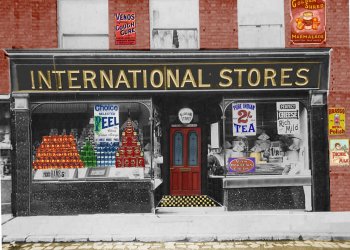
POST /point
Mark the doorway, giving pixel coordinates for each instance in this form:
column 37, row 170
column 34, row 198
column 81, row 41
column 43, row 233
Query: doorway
column 185, row 161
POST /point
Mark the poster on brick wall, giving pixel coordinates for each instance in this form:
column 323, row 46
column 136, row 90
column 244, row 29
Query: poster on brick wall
column 125, row 28
column 336, row 121
column 339, row 152
column 308, row 21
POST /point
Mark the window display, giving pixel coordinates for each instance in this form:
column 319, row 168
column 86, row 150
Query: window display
column 70, row 139
column 262, row 138
column 5, row 142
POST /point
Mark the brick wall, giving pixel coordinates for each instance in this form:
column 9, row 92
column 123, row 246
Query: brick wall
column 337, row 34
column 25, row 24
column 141, row 9
column 218, row 24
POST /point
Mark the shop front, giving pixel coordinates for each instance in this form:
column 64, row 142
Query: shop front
column 116, row 132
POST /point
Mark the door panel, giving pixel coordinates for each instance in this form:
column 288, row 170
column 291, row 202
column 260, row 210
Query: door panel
column 185, row 161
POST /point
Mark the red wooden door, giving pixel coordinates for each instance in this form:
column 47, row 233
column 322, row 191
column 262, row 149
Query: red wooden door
column 185, row 161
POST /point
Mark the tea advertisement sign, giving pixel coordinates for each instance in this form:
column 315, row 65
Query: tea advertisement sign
column 125, row 28
column 244, row 119
column 241, row 165
column 308, row 21
column 288, row 120
column 339, row 152
column 336, row 121
column 106, row 123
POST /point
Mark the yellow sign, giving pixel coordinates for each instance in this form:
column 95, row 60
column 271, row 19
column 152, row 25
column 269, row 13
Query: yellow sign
column 336, row 121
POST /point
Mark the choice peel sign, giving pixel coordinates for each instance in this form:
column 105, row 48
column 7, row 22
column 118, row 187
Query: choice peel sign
column 106, row 123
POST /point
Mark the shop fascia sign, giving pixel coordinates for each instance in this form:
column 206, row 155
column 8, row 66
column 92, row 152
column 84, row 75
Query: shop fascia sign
column 168, row 76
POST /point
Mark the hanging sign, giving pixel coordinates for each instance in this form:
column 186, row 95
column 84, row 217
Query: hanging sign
column 185, row 115
column 339, row 152
column 244, row 119
column 308, row 22
column 288, row 120
column 336, row 121
column 241, row 165
column 125, row 28
column 106, row 123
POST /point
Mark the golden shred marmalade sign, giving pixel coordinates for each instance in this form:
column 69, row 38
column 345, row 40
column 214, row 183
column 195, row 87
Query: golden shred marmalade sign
column 336, row 121
column 308, row 21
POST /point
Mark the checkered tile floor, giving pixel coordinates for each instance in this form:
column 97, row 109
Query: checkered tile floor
column 188, row 201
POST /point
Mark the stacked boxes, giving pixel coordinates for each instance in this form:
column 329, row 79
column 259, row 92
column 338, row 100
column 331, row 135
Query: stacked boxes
column 57, row 151
column 106, row 154
column 129, row 154
column 87, row 155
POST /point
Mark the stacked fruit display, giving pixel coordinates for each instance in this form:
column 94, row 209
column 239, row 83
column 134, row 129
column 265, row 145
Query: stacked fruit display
column 129, row 153
column 105, row 153
column 87, row 155
column 57, row 151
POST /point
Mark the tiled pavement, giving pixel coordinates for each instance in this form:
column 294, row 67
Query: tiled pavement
column 184, row 245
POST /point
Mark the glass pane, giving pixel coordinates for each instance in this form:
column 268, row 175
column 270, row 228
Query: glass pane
column 192, row 149
column 178, row 149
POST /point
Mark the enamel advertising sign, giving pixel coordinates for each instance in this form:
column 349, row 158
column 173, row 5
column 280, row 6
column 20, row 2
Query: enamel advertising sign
column 288, row 120
column 106, row 123
column 308, row 21
column 244, row 119
column 339, row 152
column 241, row 165
column 125, row 28
column 336, row 121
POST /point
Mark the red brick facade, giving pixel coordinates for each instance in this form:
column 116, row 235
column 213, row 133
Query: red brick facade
column 25, row 24
column 33, row 24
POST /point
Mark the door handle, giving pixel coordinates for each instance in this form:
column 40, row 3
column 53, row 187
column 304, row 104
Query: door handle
column 172, row 168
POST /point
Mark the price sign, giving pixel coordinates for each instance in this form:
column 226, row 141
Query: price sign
column 54, row 174
column 244, row 119
column 288, row 121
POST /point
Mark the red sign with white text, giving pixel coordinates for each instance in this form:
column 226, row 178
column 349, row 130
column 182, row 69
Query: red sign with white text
column 125, row 28
column 308, row 21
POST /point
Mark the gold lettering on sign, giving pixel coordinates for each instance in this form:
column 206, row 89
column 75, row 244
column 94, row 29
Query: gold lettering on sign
column 200, row 80
column 122, row 79
column 257, row 77
column 89, row 79
column 71, row 79
column 240, row 72
column 170, row 77
column 306, row 79
column 108, row 79
column 58, row 75
column 225, row 77
column 32, row 78
column 161, row 78
column 269, row 74
column 134, row 77
column 144, row 72
column 188, row 78
column 45, row 79
column 284, row 75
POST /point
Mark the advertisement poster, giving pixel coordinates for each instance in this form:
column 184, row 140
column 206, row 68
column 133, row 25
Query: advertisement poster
column 288, row 120
column 308, row 21
column 241, row 165
column 106, row 123
column 339, row 152
column 336, row 121
column 125, row 28
column 244, row 119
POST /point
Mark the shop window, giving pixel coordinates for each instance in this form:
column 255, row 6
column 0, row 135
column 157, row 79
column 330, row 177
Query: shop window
column 263, row 138
column 92, row 140
column 261, row 24
column 174, row 24
column 83, row 24
column 5, row 142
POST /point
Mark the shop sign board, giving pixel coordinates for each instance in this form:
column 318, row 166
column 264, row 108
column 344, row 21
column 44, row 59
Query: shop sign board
column 241, row 165
column 339, row 152
column 55, row 174
column 244, row 119
column 288, row 119
column 106, row 123
column 308, row 22
column 336, row 121
column 125, row 28
column 185, row 115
